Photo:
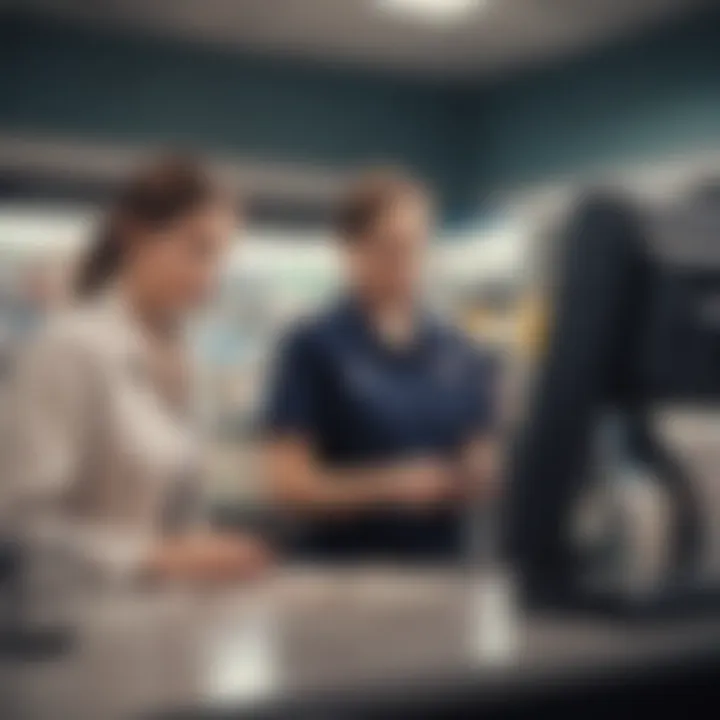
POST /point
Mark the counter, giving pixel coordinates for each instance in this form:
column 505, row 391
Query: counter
column 336, row 640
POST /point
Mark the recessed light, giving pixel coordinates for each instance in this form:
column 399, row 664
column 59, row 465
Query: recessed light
column 436, row 11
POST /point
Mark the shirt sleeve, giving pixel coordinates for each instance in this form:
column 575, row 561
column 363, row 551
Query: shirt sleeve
column 483, row 394
column 292, row 400
column 52, row 427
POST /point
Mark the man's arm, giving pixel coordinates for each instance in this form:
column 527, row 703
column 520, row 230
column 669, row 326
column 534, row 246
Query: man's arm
column 299, row 481
column 480, row 455
column 480, row 466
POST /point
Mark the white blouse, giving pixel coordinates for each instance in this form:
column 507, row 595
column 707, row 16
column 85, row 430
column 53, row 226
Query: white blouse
column 100, row 460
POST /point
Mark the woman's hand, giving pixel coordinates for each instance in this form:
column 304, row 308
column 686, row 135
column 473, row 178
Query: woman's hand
column 208, row 559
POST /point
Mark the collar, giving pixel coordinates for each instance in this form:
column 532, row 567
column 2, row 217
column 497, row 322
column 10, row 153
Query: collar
column 128, row 334
column 352, row 312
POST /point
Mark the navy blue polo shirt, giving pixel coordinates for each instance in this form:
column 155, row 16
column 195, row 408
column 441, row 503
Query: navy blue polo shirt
column 360, row 402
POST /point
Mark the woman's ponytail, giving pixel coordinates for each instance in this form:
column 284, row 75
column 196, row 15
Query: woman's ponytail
column 160, row 193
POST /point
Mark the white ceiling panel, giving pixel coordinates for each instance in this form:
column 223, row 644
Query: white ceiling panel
column 494, row 36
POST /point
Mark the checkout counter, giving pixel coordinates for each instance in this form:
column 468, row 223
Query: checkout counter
column 350, row 643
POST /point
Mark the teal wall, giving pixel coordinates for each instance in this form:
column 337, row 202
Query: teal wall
column 636, row 100
column 64, row 80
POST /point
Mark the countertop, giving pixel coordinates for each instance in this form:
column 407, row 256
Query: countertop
column 319, row 632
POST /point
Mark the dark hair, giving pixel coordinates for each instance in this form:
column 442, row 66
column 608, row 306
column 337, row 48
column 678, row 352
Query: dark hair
column 371, row 195
column 159, row 193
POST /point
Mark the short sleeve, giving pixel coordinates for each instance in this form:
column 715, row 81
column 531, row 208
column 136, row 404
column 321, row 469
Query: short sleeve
column 483, row 393
column 291, row 403
column 51, row 431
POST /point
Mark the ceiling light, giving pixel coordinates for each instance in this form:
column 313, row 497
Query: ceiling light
column 431, row 10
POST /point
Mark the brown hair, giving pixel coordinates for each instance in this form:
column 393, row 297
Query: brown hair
column 159, row 193
column 371, row 195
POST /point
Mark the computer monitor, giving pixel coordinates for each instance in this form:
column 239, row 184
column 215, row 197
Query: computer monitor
column 635, row 344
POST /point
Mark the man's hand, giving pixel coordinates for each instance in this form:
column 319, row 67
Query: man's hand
column 480, row 469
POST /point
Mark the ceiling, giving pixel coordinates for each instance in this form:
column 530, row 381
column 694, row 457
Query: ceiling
column 498, row 36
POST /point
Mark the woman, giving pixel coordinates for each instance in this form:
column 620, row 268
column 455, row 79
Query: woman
column 379, row 419
column 106, row 452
